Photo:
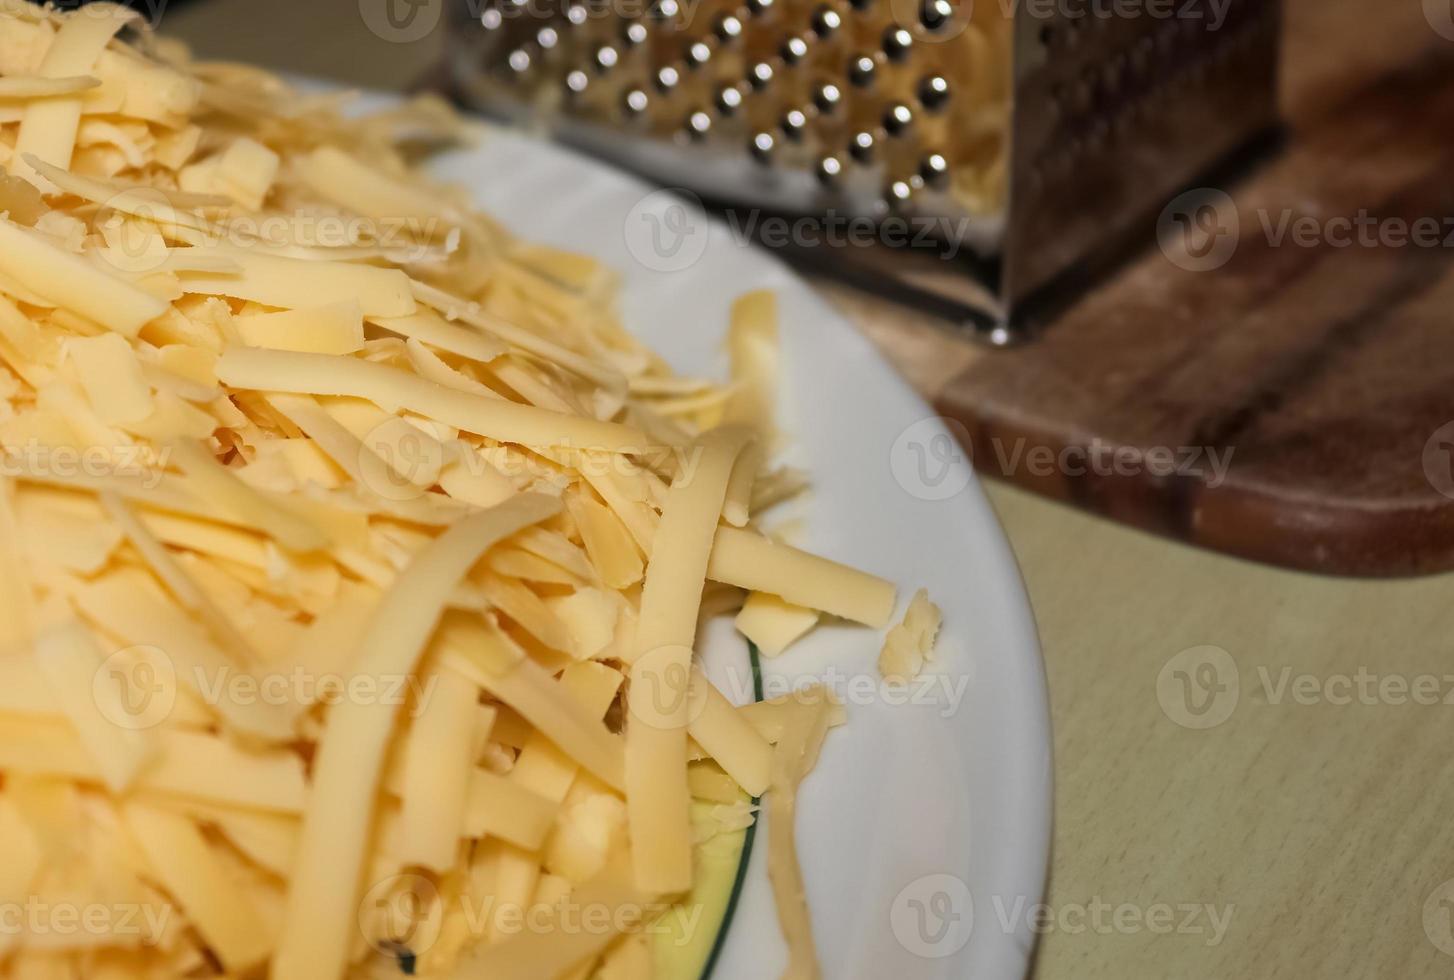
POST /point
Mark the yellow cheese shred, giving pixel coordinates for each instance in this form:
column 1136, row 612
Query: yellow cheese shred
column 315, row 942
column 354, row 552
column 795, row 756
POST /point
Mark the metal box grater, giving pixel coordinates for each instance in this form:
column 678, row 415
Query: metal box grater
column 1042, row 136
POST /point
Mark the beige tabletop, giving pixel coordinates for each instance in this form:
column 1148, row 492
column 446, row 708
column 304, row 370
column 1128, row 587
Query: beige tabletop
column 1304, row 832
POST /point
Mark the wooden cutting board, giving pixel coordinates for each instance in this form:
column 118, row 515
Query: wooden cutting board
column 1318, row 373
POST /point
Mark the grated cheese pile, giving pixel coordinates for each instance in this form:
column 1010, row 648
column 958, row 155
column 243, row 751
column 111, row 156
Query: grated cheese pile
column 352, row 553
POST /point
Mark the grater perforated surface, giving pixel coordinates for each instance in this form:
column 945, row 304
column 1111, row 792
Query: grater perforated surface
column 879, row 103
column 1044, row 135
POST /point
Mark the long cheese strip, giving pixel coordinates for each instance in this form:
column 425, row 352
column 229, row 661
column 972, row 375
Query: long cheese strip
column 301, row 283
column 794, row 757
column 333, row 328
column 541, row 766
column 72, row 283
column 437, row 764
column 657, row 796
column 392, row 389
column 454, row 308
column 15, row 596
column 752, row 344
column 738, row 507
column 726, row 735
column 750, row 561
column 315, row 941
column 70, row 661
column 183, row 861
column 607, row 541
column 40, row 88
column 432, row 329
column 220, row 485
column 530, row 690
column 175, row 578
column 203, row 767
column 48, row 129
column 347, row 181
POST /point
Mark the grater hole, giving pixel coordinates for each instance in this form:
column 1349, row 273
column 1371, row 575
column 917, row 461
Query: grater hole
column 606, row 58
column 577, row 82
column 860, row 5
column 934, row 92
column 491, row 19
column 758, row 8
column 547, row 38
column 827, row 98
column 934, row 171
column 935, row 15
column 898, row 193
column 634, row 34
column 829, row 170
column 729, row 100
column 577, row 14
column 826, row 21
column 698, row 54
column 760, row 76
column 667, row 78
column 794, row 124
column 635, row 102
column 519, row 61
column 663, row 10
column 897, row 43
column 762, row 147
column 861, row 71
column 794, row 49
column 729, row 28
column 897, row 119
column 862, row 146
column 699, row 124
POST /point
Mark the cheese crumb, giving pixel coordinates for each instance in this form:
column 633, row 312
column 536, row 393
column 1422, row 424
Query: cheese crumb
column 909, row 645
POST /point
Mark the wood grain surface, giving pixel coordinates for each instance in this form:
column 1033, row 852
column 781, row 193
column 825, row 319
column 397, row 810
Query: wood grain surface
column 1324, row 826
column 1316, row 362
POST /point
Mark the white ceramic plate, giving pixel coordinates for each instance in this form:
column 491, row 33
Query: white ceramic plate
column 924, row 831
